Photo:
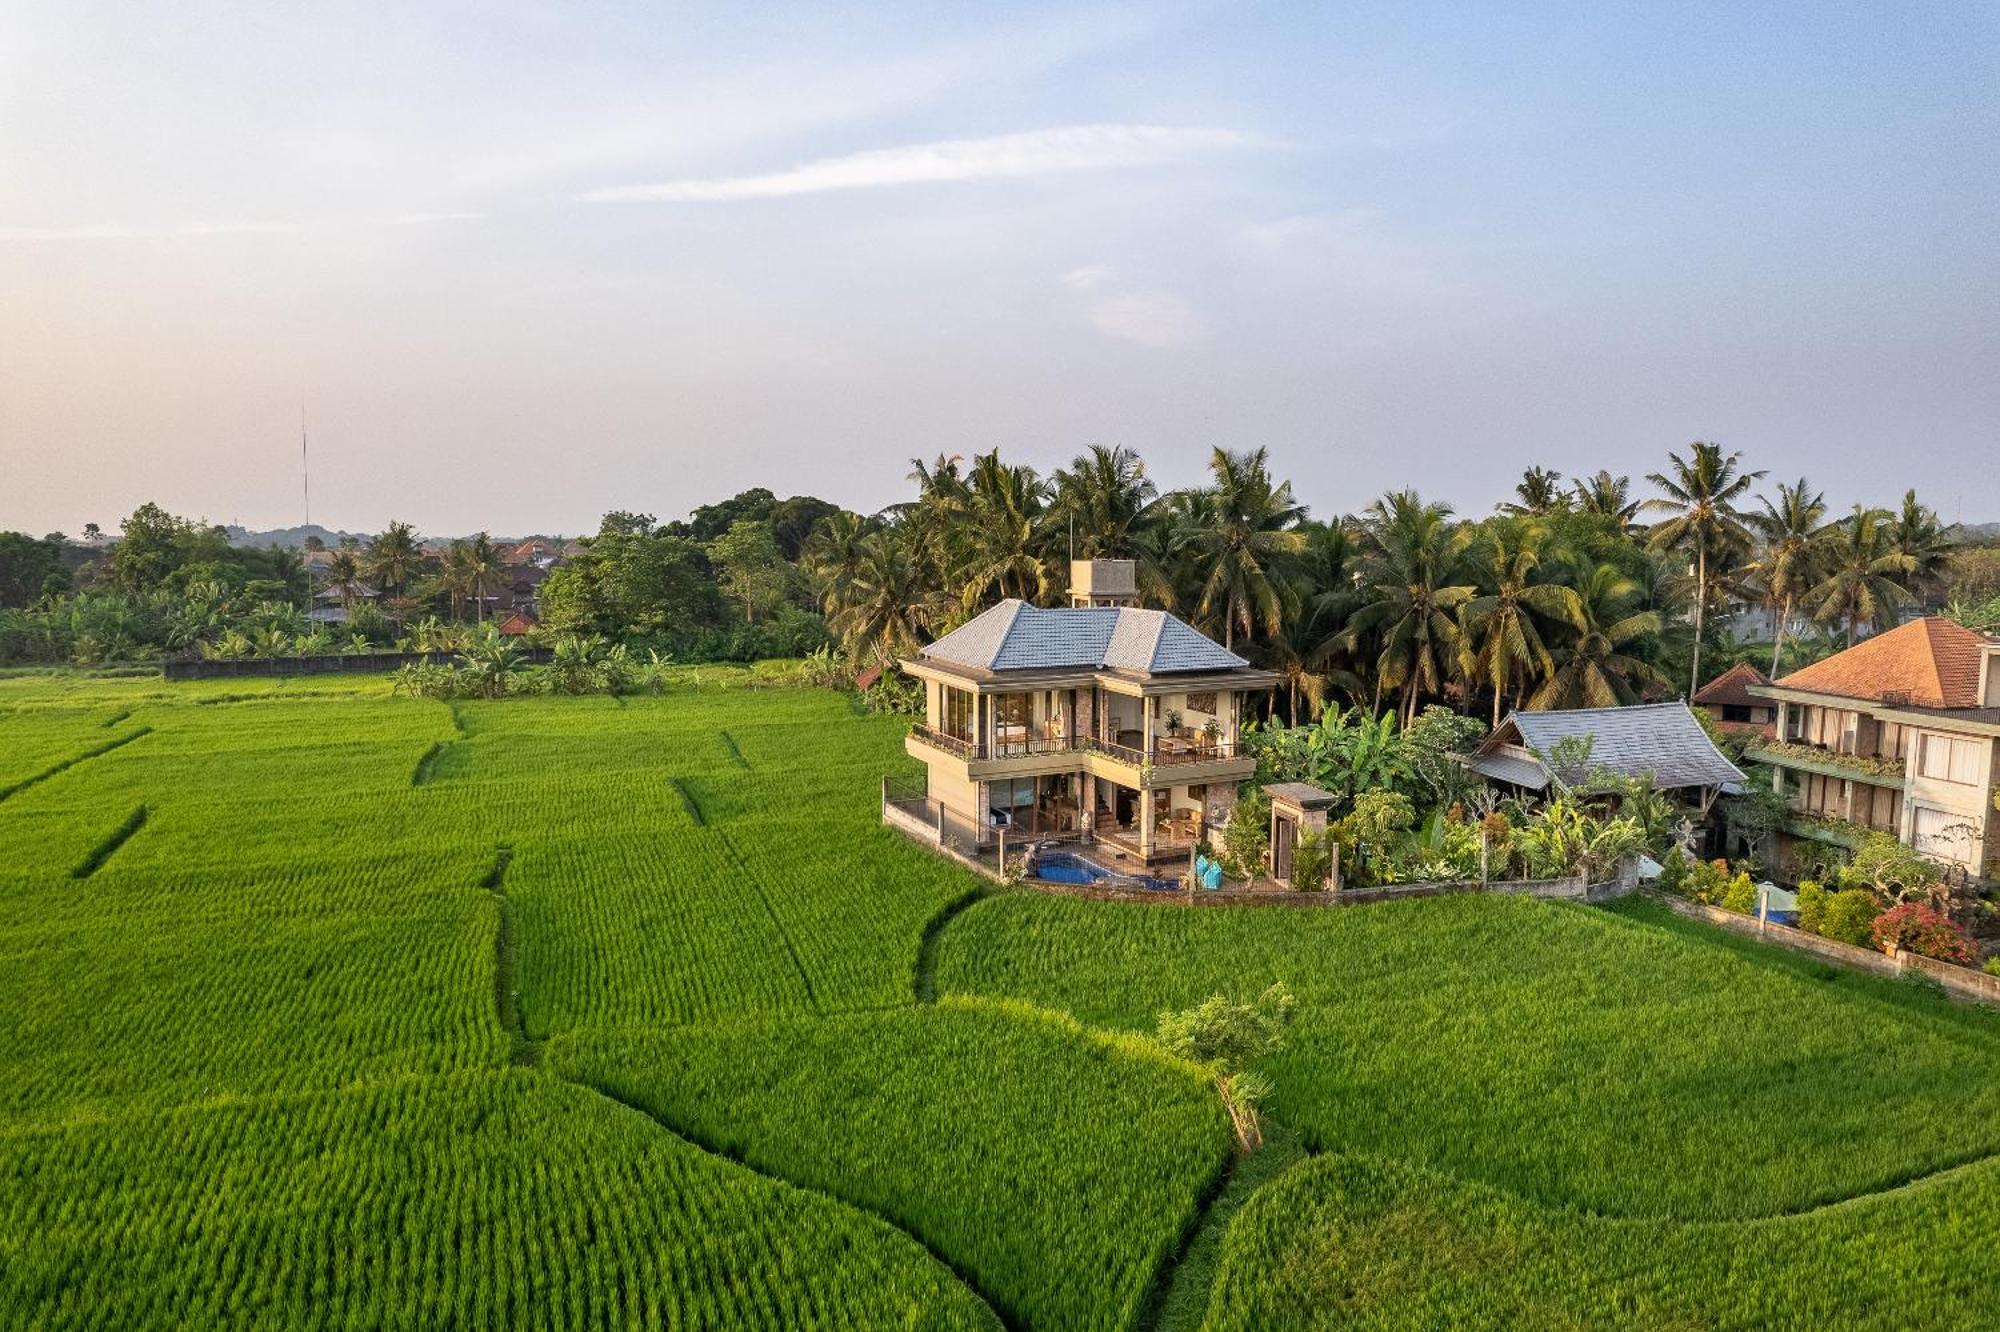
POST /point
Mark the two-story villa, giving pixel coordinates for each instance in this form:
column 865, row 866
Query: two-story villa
column 1898, row 734
column 1098, row 717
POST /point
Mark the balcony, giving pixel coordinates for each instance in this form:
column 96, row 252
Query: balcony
column 1168, row 751
column 1874, row 769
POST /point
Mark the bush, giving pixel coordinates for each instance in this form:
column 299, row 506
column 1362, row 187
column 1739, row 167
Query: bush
column 1992, row 967
column 1311, row 862
column 1674, row 873
column 1924, row 931
column 1708, row 881
column 1740, row 896
column 1246, row 836
column 1812, row 906
column 1849, row 915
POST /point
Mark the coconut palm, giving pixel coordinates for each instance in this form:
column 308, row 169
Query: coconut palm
column 1003, row 537
column 832, row 553
column 1537, row 494
column 345, row 572
column 1503, row 647
column 1788, row 566
column 1246, row 535
column 1702, row 494
column 1308, row 650
column 1412, row 587
column 1102, row 501
column 1861, row 578
column 392, row 558
column 883, row 608
column 1926, row 543
column 1596, row 664
column 1606, row 496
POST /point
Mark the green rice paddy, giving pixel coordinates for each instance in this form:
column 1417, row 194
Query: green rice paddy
column 331, row 1008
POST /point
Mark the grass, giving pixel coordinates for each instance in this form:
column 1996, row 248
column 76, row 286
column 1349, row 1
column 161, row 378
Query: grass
column 1056, row 1168
column 1359, row 1242
column 1559, row 1052
column 283, row 1047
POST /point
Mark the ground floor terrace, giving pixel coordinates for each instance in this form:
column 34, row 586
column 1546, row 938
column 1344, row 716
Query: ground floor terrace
column 1151, row 825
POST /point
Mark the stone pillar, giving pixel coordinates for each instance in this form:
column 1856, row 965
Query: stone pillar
column 1145, row 822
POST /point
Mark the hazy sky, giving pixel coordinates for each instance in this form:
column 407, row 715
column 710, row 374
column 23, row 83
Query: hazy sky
column 524, row 263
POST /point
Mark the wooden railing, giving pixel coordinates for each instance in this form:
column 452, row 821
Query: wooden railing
column 1166, row 751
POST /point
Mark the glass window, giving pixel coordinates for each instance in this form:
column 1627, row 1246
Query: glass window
column 959, row 713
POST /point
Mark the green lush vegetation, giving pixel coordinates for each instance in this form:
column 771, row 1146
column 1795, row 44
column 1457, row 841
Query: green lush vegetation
column 1057, row 1168
column 1361, row 1242
column 334, row 1006
column 1571, row 1055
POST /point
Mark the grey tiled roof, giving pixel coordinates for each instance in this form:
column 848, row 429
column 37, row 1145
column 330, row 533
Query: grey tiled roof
column 1014, row 636
column 1660, row 740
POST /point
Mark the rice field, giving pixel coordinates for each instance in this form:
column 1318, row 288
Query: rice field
column 333, row 1008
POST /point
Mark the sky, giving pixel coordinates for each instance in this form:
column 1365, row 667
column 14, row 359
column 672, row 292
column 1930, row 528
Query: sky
column 519, row 264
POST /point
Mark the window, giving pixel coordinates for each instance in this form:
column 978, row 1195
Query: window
column 1947, row 758
column 1937, row 833
column 1014, row 709
column 1735, row 712
column 959, row 713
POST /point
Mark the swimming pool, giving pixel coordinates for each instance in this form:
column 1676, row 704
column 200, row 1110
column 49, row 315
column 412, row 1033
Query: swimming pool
column 1067, row 867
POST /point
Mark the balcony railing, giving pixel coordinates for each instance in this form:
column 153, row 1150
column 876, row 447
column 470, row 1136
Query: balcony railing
column 1166, row 750
column 1866, row 765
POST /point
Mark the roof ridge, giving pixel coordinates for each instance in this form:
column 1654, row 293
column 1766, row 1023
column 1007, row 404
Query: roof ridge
column 1159, row 634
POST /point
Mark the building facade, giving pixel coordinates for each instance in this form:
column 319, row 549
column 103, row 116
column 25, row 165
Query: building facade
column 1099, row 718
column 1899, row 734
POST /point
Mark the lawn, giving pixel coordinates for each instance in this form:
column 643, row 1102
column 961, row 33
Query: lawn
column 338, row 1008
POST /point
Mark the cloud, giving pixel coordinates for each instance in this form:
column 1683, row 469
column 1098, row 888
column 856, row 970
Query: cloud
column 1002, row 157
column 1151, row 318
column 120, row 231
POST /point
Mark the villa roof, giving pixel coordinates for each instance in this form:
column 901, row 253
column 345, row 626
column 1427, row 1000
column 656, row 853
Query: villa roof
column 1015, row 636
column 1662, row 741
column 1732, row 688
column 1927, row 663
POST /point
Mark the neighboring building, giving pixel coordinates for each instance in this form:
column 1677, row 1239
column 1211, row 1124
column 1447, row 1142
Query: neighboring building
column 1103, row 717
column 1898, row 734
column 1663, row 743
column 1732, row 706
column 518, row 624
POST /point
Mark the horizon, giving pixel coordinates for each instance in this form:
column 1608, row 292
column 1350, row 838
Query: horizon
column 521, row 271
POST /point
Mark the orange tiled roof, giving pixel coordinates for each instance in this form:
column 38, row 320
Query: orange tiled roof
column 1732, row 688
column 1932, row 663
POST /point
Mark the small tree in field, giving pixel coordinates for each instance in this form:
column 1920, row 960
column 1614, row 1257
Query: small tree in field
column 1225, row 1037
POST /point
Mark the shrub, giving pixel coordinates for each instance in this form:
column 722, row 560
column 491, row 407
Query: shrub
column 1708, row 881
column 1992, row 967
column 1849, row 914
column 1311, row 862
column 1674, row 873
column 1246, row 836
column 1740, row 896
column 1924, row 931
column 1812, row 906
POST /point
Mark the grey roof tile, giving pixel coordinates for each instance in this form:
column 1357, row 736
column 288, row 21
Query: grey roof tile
column 1660, row 740
column 1014, row 636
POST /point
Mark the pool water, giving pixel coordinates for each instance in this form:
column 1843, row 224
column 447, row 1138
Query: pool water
column 1064, row 867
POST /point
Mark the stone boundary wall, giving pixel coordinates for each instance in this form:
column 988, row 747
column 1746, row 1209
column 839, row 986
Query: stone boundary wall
column 226, row 668
column 1574, row 889
column 1959, row 982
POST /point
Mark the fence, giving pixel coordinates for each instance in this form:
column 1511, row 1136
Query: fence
column 220, row 668
column 1960, row 982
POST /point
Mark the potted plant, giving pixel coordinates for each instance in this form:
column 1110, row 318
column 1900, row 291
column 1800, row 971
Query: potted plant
column 1173, row 721
column 1212, row 733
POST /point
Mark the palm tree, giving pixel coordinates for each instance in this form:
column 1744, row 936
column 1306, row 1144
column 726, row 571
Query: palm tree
column 934, row 521
column 1537, row 494
column 1702, row 492
column 344, row 571
column 1595, row 667
column 1606, row 496
column 1102, row 501
column 1247, row 534
column 1926, row 543
column 485, row 570
column 1789, row 565
column 832, row 554
column 1003, row 536
column 457, row 574
column 882, row 608
column 1502, row 639
column 1411, row 590
column 392, row 558
column 1307, row 650
column 1861, row 573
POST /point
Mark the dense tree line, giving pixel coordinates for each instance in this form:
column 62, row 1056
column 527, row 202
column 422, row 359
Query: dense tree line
column 1572, row 592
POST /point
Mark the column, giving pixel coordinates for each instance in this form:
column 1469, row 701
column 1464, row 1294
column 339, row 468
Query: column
column 1146, row 729
column 1146, row 816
